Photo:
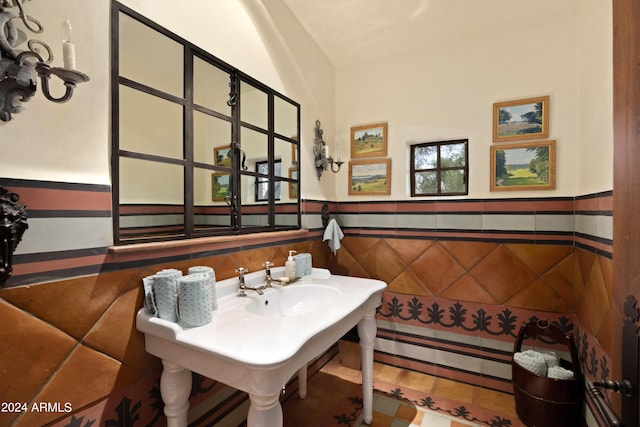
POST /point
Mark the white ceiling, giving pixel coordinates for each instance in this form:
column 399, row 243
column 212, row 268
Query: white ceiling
column 353, row 31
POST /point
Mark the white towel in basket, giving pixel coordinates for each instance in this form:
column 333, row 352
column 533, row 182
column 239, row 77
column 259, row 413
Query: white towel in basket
column 560, row 373
column 531, row 361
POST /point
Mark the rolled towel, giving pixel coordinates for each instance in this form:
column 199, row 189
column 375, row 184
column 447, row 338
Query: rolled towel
column 194, row 300
column 560, row 373
column 212, row 282
column 532, row 361
column 149, row 299
column 165, row 290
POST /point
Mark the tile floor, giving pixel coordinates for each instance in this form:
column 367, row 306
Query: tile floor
column 334, row 398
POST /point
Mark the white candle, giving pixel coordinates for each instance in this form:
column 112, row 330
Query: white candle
column 68, row 49
column 326, row 151
column 337, row 151
column 69, row 55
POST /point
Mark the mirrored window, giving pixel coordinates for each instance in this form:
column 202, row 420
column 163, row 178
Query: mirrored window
column 199, row 148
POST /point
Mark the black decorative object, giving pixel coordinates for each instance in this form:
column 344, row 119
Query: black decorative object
column 13, row 223
column 628, row 387
column 323, row 161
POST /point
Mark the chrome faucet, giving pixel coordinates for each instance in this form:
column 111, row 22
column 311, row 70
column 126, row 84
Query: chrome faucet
column 268, row 279
column 242, row 286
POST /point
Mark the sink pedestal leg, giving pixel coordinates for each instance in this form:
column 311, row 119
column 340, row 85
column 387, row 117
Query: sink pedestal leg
column 367, row 334
column 302, row 382
column 175, row 387
column 265, row 411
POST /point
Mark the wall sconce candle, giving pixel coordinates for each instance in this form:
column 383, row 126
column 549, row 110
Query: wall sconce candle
column 68, row 49
column 321, row 153
column 19, row 69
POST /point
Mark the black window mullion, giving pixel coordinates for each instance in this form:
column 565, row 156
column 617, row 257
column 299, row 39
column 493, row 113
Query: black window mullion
column 236, row 206
column 189, row 207
column 115, row 122
column 271, row 156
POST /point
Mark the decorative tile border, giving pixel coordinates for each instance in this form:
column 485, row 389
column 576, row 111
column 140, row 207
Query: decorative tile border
column 455, row 330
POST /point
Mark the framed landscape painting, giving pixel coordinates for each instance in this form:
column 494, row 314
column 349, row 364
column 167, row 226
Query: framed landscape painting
column 370, row 177
column 369, row 141
column 517, row 167
column 220, row 186
column 222, row 156
column 521, row 119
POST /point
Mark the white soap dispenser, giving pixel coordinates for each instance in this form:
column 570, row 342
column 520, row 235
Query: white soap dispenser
column 290, row 267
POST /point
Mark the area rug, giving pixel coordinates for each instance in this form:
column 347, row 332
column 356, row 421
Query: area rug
column 401, row 406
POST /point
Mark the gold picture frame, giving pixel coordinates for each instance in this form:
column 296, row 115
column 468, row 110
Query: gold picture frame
column 222, row 156
column 369, row 141
column 293, row 184
column 370, row 177
column 521, row 119
column 220, row 186
column 523, row 167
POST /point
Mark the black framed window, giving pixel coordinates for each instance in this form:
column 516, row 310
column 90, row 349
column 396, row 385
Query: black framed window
column 440, row 168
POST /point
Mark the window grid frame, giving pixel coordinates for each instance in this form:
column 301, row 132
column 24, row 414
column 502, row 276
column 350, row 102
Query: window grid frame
column 439, row 168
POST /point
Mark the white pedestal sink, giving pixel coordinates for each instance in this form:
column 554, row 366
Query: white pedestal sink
column 256, row 343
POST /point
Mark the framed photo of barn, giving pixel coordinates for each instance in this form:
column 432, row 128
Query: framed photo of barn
column 369, row 141
column 521, row 119
column 370, row 177
column 523, row 167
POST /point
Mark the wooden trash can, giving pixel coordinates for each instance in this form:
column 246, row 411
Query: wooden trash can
column 542, row 401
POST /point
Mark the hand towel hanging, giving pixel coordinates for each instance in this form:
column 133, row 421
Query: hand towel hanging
column 333, row 234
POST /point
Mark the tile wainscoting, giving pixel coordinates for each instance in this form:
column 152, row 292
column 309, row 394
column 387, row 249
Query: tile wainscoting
column 455, row 294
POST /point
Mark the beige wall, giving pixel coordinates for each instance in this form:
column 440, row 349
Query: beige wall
column 71, row 142
column 441, row 91
column 446, row 91
column 595, row 91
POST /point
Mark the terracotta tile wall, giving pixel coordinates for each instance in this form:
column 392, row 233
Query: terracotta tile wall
column 82, row 331
column 533, row 280
column 74, row 340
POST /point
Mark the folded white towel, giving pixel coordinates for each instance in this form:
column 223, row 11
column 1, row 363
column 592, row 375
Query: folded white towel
column 551, row 359
column 558, row 372
column 531, row 361
column 333, row 234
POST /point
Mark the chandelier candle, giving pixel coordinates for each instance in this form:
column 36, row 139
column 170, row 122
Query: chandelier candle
column 68, row 49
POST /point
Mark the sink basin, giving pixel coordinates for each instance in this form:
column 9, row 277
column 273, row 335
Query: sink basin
column 255, row 343
column 294, row 300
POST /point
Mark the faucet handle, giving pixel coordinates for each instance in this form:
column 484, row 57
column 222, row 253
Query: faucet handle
column 241, row 270
column 267, row 264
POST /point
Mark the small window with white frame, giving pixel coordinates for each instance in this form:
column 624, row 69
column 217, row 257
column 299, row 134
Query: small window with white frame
column 440, row 168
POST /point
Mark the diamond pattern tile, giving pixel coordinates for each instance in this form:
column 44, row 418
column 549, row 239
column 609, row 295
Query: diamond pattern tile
column 437, row 268
column 468, row 254
column 382, row 262
column 503, row 274
column 467, row 288
column 536, row 277
column 539, row 296
column 540, row 258
column 409, row 250
column 408, row 283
